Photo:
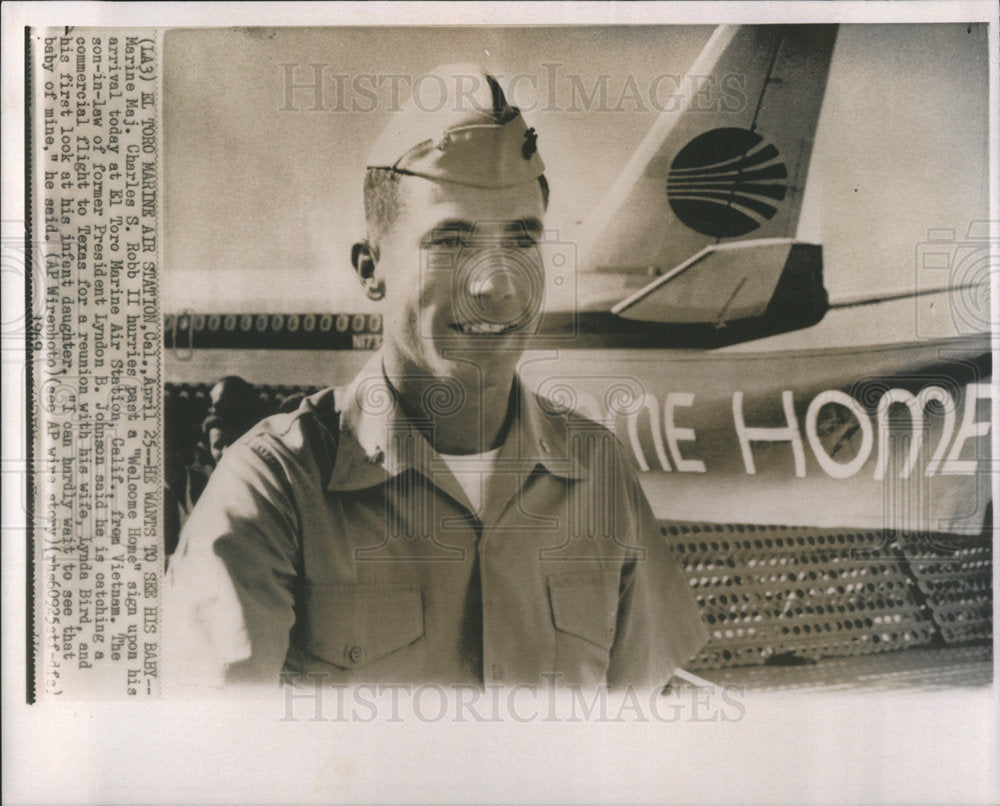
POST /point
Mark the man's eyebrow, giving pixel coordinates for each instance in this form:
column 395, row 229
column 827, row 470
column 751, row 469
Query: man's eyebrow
column 458, row 226
column 533, row 226
column 453, row 225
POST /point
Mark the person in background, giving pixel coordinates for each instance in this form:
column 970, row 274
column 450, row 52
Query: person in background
column 236, row 403
column 217, row 437
column 234, row 408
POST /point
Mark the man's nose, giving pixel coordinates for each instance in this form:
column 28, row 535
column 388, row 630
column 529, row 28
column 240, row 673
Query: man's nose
column 500, row 284
column 495, row 284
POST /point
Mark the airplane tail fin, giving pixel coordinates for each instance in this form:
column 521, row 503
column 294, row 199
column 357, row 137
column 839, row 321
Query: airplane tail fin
column 734, row 172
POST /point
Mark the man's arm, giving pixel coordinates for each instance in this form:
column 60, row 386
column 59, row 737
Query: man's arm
column 659, row 623
column 229, row 603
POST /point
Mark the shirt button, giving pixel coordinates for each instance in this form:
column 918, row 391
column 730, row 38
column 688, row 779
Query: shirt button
column 497, row 671
column 354, row 654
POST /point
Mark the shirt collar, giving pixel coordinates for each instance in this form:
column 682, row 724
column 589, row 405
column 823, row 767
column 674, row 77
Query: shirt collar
column 377, row 441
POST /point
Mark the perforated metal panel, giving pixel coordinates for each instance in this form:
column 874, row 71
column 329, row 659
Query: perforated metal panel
column 955, row 577
column 927, row 668
column 779, row 593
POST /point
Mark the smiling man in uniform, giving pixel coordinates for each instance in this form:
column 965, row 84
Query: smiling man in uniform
column 435, row 520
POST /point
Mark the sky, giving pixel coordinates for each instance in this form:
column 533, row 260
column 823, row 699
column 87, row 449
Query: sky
column 263, row 200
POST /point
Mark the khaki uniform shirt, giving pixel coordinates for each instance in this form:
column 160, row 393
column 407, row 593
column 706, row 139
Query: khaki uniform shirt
column 342, row 547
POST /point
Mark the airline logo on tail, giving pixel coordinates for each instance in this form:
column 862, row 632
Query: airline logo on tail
column 726, row 182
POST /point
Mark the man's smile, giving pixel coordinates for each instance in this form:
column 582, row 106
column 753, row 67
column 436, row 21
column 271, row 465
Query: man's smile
column 483, row 328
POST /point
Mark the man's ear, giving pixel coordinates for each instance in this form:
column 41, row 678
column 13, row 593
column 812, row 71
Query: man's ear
column 364, row 258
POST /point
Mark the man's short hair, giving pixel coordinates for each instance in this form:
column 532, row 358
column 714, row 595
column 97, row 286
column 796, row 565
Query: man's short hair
column 383, row 202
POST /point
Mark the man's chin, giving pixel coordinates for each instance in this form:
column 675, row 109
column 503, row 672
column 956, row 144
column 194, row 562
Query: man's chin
column 476, row 360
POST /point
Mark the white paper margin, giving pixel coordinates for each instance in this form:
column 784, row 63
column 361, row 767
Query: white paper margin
column 927, row 747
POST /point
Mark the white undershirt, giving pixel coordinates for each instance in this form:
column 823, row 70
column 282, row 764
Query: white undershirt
column 473, row 471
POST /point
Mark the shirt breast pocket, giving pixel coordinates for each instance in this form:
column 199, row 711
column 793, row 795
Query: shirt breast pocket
column 584, row 610
column 363, row 627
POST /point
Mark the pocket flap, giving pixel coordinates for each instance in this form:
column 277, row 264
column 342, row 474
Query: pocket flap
column 583, row 605
column 353, row 625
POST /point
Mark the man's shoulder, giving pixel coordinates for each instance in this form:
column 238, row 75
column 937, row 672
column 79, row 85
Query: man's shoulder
column 564, row 415
column 306, row 435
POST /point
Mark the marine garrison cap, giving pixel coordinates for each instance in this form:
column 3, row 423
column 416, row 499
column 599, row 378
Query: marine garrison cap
column 458, row 126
